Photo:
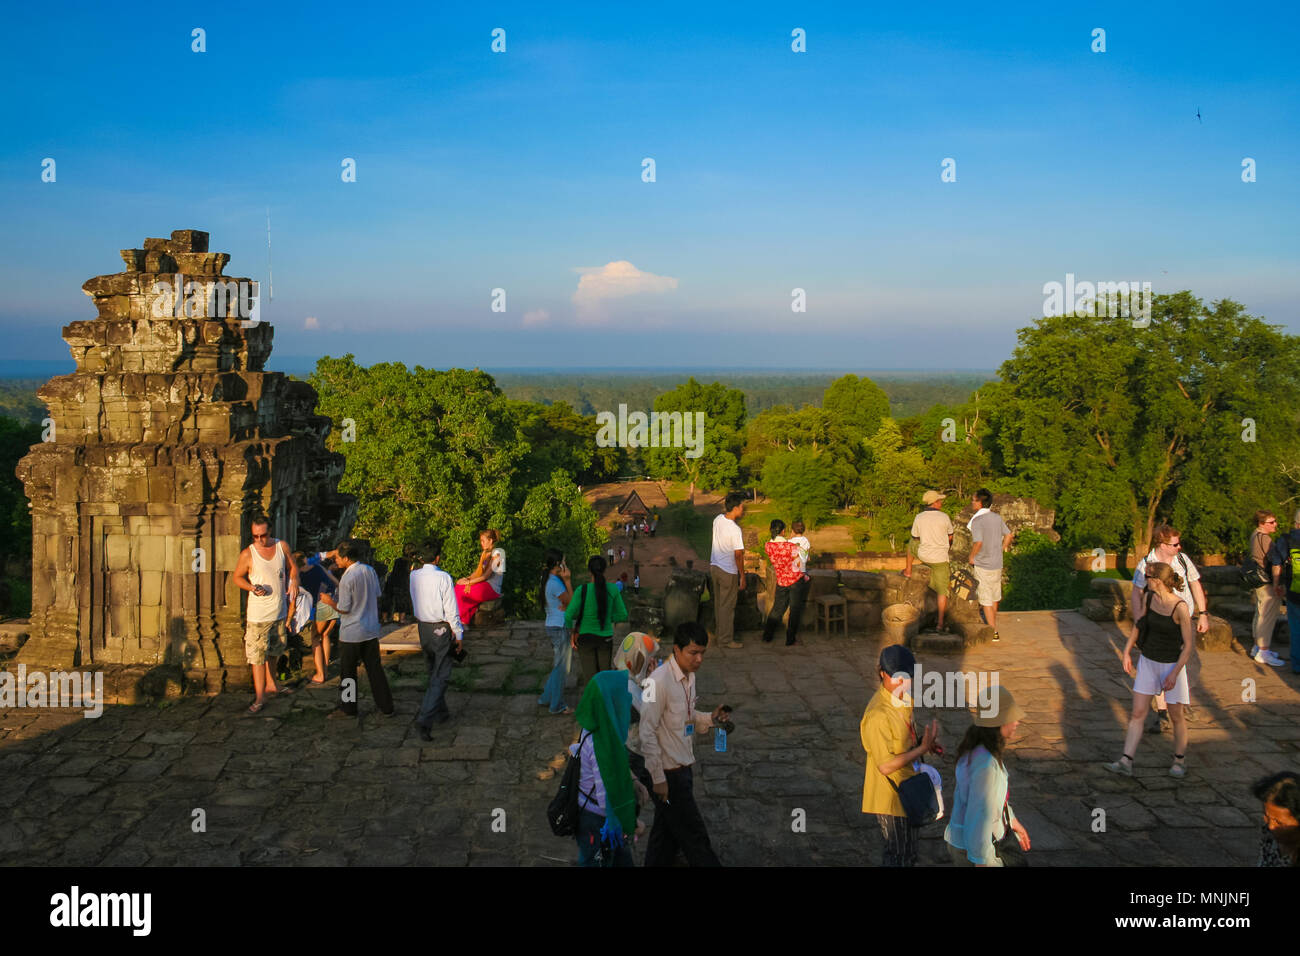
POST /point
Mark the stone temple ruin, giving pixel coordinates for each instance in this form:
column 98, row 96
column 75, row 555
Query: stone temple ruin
column 167, row 438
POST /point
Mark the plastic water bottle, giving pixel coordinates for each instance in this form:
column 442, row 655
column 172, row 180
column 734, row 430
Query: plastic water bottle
column 720, row 740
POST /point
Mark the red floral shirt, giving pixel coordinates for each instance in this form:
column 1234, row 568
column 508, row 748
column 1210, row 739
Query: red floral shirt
column 784, row 556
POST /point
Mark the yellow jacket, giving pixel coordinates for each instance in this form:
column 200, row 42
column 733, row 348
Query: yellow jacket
column 886, row 732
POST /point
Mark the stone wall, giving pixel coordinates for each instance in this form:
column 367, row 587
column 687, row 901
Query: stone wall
column 167, row 438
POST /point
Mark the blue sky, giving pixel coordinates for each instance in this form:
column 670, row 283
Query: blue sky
column 774, row 170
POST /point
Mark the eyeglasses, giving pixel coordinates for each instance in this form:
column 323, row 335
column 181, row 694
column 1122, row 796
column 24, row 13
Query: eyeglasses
column 1175, row 544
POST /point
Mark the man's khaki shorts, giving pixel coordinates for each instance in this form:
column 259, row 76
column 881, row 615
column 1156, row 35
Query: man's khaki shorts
column 265, row 641
column 326, row 613
column 939, row 577
column 989, row 585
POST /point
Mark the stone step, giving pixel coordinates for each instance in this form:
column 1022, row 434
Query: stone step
column 938, row 643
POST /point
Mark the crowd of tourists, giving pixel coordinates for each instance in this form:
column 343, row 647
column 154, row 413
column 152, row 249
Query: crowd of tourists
column 638, row 716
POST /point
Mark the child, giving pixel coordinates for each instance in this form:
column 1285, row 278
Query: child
column 805, row 546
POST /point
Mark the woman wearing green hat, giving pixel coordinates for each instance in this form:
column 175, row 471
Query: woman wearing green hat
column 981, row 811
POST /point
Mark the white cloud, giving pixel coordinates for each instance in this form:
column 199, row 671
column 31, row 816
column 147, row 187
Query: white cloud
column 311, row 322
column 614, row 280
column 536, row 317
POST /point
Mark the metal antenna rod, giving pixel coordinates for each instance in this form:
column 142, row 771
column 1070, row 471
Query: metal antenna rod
column 270, row 280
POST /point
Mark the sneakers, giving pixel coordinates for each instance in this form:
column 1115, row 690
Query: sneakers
column 1269, row 658
column 1177, row 770
column 1120, row 767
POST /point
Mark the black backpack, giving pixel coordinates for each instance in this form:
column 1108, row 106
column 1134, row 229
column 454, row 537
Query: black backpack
column 562, row 812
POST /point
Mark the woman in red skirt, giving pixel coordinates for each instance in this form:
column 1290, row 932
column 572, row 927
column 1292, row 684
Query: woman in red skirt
column 485, row 583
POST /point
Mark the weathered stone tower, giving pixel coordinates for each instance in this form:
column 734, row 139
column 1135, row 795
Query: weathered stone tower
column 165, row 441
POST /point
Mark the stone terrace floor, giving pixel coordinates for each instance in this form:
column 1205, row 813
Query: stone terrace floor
column 288, row 787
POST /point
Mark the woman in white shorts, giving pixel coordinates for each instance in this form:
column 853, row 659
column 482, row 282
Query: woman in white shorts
column 1162, row 664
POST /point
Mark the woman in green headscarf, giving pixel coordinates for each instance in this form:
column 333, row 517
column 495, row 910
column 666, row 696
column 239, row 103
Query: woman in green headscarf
column 606, row 794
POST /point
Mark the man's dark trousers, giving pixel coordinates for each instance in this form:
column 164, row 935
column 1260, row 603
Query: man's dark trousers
column 795, row 597
column 435, row 641
column 367, row 653
column 679, row 826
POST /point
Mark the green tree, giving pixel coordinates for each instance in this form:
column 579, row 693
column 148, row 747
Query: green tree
column 1121, row 427
column 802, row 482
column 892, row 488
column 859, row 402
column 811, row 429
column 724, row 422
column 16, row 440
column 445, row 453
column 558, row 437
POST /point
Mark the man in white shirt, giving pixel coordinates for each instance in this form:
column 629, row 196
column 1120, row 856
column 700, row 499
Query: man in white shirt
column 727, row 568
column 433, row 599
column 357, row 602
column 669, row 721
column 931, row 540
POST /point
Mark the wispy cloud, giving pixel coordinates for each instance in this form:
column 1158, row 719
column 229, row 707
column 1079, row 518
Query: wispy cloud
column 536, row 317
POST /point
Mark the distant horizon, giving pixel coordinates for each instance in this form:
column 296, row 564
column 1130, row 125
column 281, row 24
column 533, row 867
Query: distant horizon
column 293, row 364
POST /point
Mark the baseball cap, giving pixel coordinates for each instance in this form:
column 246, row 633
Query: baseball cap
column 896, row 658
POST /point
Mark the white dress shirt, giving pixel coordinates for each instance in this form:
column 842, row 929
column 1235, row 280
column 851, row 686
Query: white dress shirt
column 664, row 740
column 433, row 598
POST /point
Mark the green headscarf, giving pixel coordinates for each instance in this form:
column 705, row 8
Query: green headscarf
column 606, row 710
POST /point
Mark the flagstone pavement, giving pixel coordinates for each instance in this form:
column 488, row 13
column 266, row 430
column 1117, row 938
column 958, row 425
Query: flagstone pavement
column 198, row 781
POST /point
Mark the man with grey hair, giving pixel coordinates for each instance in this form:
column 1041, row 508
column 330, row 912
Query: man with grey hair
column 1284, row 557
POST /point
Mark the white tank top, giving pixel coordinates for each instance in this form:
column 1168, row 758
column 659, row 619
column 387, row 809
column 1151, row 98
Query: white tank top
column 269, row 607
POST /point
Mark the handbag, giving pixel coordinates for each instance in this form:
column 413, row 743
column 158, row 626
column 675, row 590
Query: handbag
column 1008, row 848
column 1252, row 575
column 920, row 802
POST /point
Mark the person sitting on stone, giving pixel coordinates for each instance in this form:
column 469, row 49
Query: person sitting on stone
column 485, row 583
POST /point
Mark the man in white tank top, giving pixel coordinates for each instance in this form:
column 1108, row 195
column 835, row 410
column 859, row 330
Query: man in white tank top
column 266, row 571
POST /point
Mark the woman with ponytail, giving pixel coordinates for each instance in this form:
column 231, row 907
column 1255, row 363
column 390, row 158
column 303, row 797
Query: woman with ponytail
column 591, row 615
column 556, row 592
column 1165, row 641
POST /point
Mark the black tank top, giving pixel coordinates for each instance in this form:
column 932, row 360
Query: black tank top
column 1164, row 643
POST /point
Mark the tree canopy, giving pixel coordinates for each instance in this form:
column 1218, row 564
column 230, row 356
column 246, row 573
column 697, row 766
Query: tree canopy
column 1188, row 419
column 447, row 454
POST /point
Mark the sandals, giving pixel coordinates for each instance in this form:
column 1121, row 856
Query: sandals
column 1120, row 767
column 255, row 707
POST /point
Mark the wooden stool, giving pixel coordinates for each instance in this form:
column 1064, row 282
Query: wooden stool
column 831, row 612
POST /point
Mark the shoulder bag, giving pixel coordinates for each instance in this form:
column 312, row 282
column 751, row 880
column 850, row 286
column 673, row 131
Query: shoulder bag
column 919, row 800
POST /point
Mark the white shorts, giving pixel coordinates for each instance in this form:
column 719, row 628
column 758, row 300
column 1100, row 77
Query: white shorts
column 1151, row 676
column 988, row 583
